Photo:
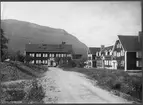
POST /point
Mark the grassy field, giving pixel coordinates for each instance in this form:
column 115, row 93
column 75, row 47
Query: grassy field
column 19, row 82
column 120, row 82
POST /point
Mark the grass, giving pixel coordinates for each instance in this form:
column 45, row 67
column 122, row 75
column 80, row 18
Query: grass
column 114, row 80
column 29, row 92
column 17, row 70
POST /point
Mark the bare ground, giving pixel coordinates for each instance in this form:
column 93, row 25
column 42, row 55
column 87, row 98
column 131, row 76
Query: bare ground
column 72, row 87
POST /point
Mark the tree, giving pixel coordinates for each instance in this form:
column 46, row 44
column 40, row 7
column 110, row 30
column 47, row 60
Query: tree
column 19, row 56
column 28, row 58
column 3, row 45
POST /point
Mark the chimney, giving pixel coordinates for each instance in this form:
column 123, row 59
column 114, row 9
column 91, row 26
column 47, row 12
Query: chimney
column 63, row 43
column 102, row 47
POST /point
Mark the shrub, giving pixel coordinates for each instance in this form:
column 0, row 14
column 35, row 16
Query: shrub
column 28, row 58
column 36, row 93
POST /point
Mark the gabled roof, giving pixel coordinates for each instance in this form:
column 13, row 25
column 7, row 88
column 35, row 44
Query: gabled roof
column 93, row 50
column 129, row 43
column 48, row 48
column 108, row 48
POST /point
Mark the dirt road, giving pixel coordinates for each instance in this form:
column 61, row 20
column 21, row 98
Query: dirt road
column 71, row 87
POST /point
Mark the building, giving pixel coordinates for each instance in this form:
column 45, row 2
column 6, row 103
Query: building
column 127, row 53
column 49, row 54
column 77, row 56
column 91, row 62
column 104, row 57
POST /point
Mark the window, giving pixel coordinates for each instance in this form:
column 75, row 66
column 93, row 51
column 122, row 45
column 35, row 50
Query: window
column 69, row 55
column 50, row 55
column 46, row 55
column 122, row 63
column 96, row 53
column 62, row 55
column 107, row 62
column 119, row 54
column 138, row 54
column 36, row 61
column 110, row 52
column 32, row 61
column 106, row 53
column 138, row 63
column 59, row 55
column 99, row 53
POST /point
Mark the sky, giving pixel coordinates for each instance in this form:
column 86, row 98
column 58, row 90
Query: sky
column 93, row 23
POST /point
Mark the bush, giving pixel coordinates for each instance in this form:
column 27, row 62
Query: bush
column 115, row 80
column 28, row 58
column 36, row 93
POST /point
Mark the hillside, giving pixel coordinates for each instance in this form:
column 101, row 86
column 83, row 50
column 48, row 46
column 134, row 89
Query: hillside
column 21, row 33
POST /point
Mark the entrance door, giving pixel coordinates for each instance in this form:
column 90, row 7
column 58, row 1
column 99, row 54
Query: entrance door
column 51, row 63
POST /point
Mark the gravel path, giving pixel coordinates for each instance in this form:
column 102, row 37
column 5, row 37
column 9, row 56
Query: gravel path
column 71, row 87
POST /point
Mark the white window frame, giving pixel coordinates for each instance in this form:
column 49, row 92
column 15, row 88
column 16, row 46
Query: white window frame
column 119, row 54
column 137, row 63
column 96, row 53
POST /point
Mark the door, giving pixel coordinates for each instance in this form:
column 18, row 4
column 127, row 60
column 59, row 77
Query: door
column 51, row 63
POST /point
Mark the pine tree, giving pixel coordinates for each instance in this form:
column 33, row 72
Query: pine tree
column 3, row 44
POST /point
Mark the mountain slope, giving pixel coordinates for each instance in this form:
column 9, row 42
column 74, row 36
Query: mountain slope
column 21, row 33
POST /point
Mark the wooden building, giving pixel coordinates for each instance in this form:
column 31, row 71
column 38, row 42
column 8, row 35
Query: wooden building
column 104, row 57
column 49, row 54
column 127, row 52
column 91, row 62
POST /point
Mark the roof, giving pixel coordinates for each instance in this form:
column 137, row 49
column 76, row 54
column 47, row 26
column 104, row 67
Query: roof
column 108, row 48
column 129, row 43
column 48, row 48
column 93, row 50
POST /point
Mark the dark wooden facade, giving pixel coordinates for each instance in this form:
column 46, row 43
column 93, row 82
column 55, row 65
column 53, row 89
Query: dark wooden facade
column 127, row 54
column 50, row 55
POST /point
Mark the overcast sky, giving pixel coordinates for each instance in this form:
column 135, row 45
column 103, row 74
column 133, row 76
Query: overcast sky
column 93, row 23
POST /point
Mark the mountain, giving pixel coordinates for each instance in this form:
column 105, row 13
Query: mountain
column 20, row 33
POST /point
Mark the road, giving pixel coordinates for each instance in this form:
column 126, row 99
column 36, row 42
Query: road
column 72, row 87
